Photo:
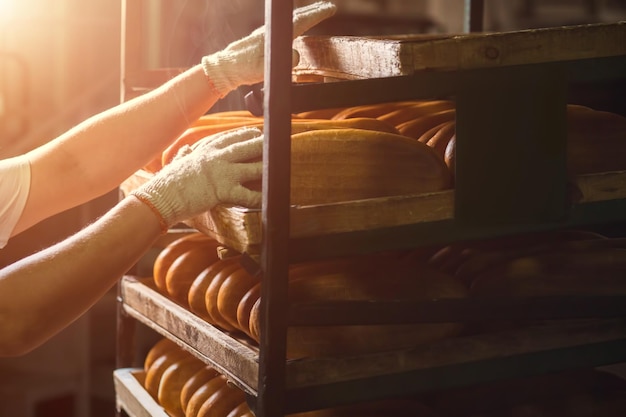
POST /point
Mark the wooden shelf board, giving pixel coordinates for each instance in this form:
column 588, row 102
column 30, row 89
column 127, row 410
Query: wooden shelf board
column 355, row 57
column 240, row 228
column 239, row 360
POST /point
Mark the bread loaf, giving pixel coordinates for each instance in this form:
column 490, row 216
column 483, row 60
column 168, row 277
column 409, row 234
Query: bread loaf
column 197, row 291
column 351, row 164
column 211, row 296
column 172, row 382
column 222, row 402
column 204, row 392
column 171, row 252
column 186, row 268
column 365, row 123
column 591, row 272
column 157, row 350
column 196, row 133
column 417, row 127
column 158, row 367
column 244, row 308
column 231, row 292
column 384, row 278
column 201, row 377
column 408, row 113
column 372, row 110
column 327, row 113
column 596, row 141
column 443, row 133
column 240, row 410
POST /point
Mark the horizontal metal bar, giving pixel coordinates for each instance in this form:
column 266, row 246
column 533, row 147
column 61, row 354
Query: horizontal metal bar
column 455, row 310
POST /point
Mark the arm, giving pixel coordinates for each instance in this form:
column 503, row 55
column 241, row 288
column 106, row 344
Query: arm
column 98, row 154
column 43, row 293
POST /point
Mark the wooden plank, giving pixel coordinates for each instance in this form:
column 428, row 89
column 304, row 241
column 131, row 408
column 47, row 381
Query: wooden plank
column 240, row 228
column 238, row 360
column 132, row 397
column 455, row 351
column 603, row 186
column 228, row 355
column 350, row 57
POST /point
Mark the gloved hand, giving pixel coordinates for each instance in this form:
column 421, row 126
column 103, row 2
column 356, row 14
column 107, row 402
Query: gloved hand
column 209, row 172
column 242, row 62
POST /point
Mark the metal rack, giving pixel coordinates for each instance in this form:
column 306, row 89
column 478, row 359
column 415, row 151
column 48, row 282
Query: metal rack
column 483, row 208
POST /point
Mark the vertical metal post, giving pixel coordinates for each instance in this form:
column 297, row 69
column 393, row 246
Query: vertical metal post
column 473, row 15
column 275, row 209
column 511, row 146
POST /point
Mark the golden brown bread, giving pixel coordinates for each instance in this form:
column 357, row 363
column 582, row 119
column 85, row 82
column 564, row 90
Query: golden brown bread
column 172, row 382
column 204, row 392
column 408, row 113
column 350, row 164
column 186, row 268
column 171, row 252
column 442, row 135
column 240, row 410
column 600, row 271
column 417, row 127
column 201, row 377
column 596, row 141
column 327, row 113
column 230, row 293
column 376, row 278
column 245, row 307
column 211, row 295
column 372, row 110
column 365, row 123
column 197, row 291
column 158, row 367
column 222, row 402
column 158, row 349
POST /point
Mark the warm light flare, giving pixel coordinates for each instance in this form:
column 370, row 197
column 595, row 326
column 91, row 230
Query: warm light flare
column 7, row 9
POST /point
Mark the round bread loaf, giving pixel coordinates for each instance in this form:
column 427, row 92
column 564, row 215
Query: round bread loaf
column 157, row 350
column 203, row 393
column 222, row 402
column 170, row 253
column 199, row 286
column 158, row 367
column 337, row 165
column 211, row 296
column 231, row 292
column 172, row 382
column 201, row 377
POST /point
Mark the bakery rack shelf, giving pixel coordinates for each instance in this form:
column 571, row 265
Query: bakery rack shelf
column 399, row 222
column 328, row 381
column 487, row 70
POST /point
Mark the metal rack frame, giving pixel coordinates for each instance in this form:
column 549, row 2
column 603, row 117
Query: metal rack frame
column 544, row 191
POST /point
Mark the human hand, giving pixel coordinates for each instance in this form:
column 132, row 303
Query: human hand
column 207, row 173
column 242, row 62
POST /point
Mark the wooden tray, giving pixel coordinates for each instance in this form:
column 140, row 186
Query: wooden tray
column 240, row 228
column 350, row 57
column 600, row 341
column 131, row 396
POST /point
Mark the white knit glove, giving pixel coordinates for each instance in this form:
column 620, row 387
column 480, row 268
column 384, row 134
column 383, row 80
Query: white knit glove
column 209, row 172
column 242, row 62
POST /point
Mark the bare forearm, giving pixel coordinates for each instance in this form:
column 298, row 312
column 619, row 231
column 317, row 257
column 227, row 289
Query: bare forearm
column 95, row 156
column 42, row 294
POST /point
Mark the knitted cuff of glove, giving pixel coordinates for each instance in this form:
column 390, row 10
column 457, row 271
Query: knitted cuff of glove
column 219, row 85
column 144, row 198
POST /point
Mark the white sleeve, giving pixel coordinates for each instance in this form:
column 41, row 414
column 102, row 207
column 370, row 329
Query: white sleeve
column 14, row 188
